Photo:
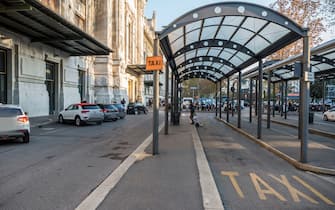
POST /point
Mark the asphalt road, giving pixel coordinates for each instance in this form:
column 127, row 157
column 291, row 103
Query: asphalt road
column 250, row 177
column 62, row 164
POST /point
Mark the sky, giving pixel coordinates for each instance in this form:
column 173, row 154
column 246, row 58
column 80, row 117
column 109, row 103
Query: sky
column 169, row 10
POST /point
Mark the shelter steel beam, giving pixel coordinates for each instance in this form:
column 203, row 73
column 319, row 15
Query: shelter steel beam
column 305, row 86
column 285, row 101
column 220, row 114
column 274, row 99
column 256, row 96
column 167, row 72
column 250, row 99
column 155, row 134
column 323, row 95
column 282, row 99
column 227, row 107
column 259, row 104
column 172, row 97
column 268, row 112
column 239, row 99
column 216, row 99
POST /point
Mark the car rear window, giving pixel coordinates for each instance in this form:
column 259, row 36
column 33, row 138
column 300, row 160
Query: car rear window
column 9, row 112
column 90, row 107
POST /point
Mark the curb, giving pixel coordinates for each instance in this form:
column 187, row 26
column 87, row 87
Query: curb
column 43, row 123
column 310, row 130
column 295, row 163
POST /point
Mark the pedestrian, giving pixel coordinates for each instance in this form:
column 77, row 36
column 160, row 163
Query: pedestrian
column 123, row 101
column 192, row 110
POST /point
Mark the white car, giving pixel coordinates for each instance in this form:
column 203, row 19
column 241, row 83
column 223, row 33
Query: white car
column 14, row 123
column 329, row 115
column 82, row 113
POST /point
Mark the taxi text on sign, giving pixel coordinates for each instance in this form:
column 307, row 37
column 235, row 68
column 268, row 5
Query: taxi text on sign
column 154, row 63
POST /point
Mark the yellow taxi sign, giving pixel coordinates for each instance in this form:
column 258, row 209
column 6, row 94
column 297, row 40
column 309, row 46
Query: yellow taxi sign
column 154, row 63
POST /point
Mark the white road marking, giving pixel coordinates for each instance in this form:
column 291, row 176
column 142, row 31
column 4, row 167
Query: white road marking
column 210, row 195
column 95, row 198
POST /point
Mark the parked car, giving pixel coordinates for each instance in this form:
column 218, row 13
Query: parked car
column 136, row 108
column 122, row 110
column 329, row 115
column 14, row 123
column 81, row 113
column 110, row 111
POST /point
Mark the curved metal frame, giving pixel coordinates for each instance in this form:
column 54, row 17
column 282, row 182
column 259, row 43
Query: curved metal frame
column 214, row 43
column 202, row 68
column 206, row 58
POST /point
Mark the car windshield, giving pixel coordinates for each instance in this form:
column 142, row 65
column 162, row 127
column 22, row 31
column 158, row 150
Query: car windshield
column 120, row 106
column 90, row 107
column 9, row 112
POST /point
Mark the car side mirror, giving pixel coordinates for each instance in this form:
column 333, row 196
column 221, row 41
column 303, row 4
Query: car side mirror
column 66, row 109
column 26, row 113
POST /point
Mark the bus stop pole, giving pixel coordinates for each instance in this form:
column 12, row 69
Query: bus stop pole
column 167, row 72
column 259, row 100
column 304, row 103
column 274, row 99
column 256, row 96
column 155, row 134
column 285, row 116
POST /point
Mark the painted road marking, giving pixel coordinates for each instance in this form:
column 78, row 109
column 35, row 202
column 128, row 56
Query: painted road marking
column 95, row 198
column 232, row 178
column 263, row 188
column 256, row 180
column 293, row 191
column 313, row 190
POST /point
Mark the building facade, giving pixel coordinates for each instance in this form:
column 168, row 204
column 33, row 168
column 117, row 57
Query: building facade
column 65, row 57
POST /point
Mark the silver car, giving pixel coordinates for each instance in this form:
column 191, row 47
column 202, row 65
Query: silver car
column 110, row 112
column 81, row 113
column 14, row 123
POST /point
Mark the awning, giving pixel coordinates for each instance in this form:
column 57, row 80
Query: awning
column 138, row 69
column 218, row 40
column 32, row 19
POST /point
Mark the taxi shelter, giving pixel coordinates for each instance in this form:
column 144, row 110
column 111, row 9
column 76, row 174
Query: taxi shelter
column 216, row 41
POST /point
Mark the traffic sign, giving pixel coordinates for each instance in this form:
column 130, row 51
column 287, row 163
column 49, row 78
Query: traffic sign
column 309, row 77
column 154, row 63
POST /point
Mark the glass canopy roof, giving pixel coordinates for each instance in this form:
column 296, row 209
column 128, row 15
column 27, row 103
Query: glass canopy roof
column 322, row 64
column 218, row 40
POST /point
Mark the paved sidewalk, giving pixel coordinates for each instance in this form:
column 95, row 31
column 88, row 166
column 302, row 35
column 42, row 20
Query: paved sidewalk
column 42, row 120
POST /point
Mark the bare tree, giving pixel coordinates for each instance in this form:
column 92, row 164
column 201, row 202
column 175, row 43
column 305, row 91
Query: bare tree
column 328, row 12
column 306, row 14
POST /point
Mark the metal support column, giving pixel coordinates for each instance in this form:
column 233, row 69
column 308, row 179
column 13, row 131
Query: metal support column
column 323, row 95
column 268, row 112
column 256, row 97
column 175, row 102
column 304, row 85
column 282, row 99
column 227, row 107
column 155, row 134
column 285, row 101
column 274, row 99
column 172, row 98
column 259, row 99
column 250, row 100
column 220, row 108
column 167, row 72
column 216, row 99
column 239, row 99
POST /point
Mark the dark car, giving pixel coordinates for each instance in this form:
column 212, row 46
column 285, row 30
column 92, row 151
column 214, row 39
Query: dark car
column 122, row 110
column 136, row 108
column 110, row 111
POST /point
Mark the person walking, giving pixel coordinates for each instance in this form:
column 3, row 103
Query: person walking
column 192, row 110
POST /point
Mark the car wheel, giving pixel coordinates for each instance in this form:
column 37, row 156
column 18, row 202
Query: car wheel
column 325, row 117
column 26, row 137
column 60, row 119
column 77, row 121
